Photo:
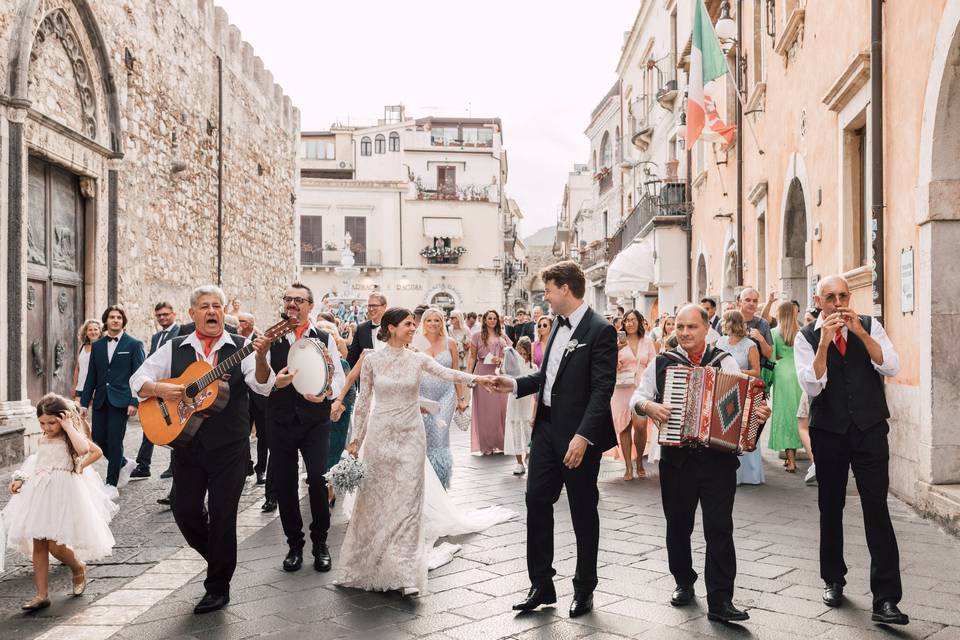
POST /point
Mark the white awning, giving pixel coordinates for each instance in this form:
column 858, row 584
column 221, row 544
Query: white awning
column 631, row 271
column 443, row 228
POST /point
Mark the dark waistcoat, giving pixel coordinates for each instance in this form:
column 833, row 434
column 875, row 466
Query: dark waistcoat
column 287, row 405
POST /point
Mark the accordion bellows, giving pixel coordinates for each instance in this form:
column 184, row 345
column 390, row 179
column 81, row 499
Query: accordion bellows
column 711, row 408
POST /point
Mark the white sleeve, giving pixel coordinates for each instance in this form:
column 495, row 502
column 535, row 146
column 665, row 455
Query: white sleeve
column 891, row 359
column 803, row 356
column 647, row 389
column 730, row 364
column 156, row 367
column 339, row 379
column 249, row 368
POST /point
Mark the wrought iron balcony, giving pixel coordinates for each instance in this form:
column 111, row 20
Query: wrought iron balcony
column 670, row 201
column 442, row 255
column 595, row 253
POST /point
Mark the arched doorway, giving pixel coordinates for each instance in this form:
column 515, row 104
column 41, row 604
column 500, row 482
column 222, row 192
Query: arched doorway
column 701, row 277
column 793, row 264
column 728, row 291
column 443, row 300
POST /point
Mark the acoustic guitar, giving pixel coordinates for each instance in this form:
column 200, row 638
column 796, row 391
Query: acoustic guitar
column 166, row 422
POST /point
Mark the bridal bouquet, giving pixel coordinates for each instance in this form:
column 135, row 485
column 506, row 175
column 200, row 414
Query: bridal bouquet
column 346, row 475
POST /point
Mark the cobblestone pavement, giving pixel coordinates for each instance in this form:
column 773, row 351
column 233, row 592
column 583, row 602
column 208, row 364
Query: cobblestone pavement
column 470, row 598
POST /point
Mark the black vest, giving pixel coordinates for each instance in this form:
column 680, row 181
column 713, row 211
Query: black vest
column 233, row 423
column 287, row 405
column 854, row 393
column 677, row 456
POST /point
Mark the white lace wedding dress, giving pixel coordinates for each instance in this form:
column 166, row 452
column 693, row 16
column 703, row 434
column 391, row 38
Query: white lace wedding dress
column 401, row 509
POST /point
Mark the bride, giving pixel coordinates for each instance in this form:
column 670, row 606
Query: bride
column 401, row 508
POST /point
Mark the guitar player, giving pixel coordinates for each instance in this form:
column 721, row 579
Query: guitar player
column 214, row 463
column 689, row 475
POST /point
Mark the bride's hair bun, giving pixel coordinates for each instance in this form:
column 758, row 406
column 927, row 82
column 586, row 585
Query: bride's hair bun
column 391, row 318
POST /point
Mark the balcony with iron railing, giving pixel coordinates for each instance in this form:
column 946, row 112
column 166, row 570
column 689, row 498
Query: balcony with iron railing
column 669, row 200
column 594, row 254
column 668, row 90
column 319, row 258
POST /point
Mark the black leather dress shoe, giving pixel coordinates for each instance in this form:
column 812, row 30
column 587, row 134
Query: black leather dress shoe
column 321, row 558
column 582, row 604
column 269, row 506
column 261, row 478
column 726, row 612
column 833, row 594
column 164, row 500
column 167, row 474
column 294, row 560
column 537, row 596
column 682, row 596
column 211, row 602
column 886, row 611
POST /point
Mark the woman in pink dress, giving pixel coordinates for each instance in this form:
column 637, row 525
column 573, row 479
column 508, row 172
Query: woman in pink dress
column 543, row 328
column 635, row 353
column 489, row 415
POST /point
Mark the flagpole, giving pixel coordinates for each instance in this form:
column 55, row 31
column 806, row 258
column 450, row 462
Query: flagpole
column 743, row 106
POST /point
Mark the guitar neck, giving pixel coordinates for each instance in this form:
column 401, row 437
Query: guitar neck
column 222, row 368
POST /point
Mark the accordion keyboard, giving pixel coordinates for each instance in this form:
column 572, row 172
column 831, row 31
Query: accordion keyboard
column 674, row 394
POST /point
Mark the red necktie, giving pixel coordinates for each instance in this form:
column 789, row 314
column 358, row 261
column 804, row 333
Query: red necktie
column 695, row 358
column 841, row 343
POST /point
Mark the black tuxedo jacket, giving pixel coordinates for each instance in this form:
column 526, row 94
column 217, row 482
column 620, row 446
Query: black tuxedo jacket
column 581, row 392
column 517, row 331
column 156, row 342
column 108, row 380
column 362, row 339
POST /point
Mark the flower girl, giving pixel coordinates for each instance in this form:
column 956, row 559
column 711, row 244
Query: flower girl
column 58, row 507
column 520, row 411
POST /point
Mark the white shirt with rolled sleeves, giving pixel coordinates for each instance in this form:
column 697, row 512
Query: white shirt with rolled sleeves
column 339, row 379
column 804, row 356
column 560, row 341
column 157, row 366
column 647, row 389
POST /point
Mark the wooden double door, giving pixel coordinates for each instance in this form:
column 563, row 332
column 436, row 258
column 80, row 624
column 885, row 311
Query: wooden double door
column 55, row 278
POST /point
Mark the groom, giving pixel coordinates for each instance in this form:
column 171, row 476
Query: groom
column 573, row 427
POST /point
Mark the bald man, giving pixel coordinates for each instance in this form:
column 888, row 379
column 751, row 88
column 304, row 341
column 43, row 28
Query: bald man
column 692, row 475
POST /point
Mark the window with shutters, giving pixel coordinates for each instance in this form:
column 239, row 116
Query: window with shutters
column 356, row 226
column 311, row 239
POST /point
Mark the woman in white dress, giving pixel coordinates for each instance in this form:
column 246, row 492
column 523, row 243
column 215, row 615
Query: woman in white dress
column 389, row 538
column 520, row 412
column 89, row 333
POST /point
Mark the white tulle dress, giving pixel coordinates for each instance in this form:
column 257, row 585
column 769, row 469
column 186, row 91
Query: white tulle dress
column 57, row 504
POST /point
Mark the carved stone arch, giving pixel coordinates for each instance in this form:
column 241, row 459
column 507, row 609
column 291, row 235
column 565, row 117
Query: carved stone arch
column 39, row 19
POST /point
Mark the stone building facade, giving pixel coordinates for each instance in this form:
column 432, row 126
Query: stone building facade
column 144, row 149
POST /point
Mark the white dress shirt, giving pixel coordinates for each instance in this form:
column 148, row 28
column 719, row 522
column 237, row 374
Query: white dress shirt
column 112, row 345
column 157, row 366
column 336, row 385
column 647, row 389
column 804, row 356
column 557, row 349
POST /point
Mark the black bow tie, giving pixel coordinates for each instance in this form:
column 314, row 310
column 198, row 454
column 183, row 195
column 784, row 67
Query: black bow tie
column 563, row 321
column 109, row 339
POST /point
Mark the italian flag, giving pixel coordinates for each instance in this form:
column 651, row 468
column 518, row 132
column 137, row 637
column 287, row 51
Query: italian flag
column 707, row 63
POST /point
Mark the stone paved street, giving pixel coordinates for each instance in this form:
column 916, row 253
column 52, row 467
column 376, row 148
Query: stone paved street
column 471, row 597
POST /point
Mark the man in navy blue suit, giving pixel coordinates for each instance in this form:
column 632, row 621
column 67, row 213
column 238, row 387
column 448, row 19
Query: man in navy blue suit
column 169, row 328
column 113, row 359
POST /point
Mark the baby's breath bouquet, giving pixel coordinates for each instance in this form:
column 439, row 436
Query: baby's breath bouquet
column 346, row 475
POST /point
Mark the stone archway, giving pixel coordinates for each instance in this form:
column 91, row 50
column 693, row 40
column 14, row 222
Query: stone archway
column 701, row 277
column 793, row 262
column 938, row 438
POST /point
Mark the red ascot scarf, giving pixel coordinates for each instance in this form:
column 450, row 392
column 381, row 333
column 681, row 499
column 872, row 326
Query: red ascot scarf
column 302, row 329
column 208, row 342
column 696, row 357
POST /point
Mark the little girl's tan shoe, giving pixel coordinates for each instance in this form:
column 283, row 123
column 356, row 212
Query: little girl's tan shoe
column 36, row 604
column 80, row 581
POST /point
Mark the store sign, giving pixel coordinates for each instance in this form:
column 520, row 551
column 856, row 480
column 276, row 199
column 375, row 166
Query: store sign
column 409, row 286
column 906, row 281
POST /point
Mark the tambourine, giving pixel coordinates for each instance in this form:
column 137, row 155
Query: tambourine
column 310, row 358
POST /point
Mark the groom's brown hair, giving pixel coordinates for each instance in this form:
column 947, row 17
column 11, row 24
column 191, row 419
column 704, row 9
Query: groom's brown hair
column 567, row 273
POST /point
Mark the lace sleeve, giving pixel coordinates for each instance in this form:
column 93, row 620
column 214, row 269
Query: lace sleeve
column 28, row 469
column 437, row 370
column 361, row 411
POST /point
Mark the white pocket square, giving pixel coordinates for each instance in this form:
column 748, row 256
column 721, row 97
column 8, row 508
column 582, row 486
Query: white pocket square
column 122, row 353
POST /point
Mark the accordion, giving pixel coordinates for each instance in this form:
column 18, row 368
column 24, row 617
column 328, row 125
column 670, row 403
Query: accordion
column 711, row 408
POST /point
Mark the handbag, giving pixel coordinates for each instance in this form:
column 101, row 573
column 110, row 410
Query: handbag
column 462, row 419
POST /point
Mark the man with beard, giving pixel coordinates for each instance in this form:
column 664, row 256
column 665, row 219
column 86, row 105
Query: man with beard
column 213, row 464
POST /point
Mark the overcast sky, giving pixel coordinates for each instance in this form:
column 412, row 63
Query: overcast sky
column 539, row 66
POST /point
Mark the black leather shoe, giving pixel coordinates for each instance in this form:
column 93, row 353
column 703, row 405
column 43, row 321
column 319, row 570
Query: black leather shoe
column 269, row 506
column 167, row 474
column 250, row 470
column 164, row 501
column 261, row 478
column 537, row 596
column 582, row 604
column 294, row 560
column 886, row 611
column 682, row 596
column 833, row 594
column 726, row 612
column 140, row 473
column 321, row 558
column 211, row 602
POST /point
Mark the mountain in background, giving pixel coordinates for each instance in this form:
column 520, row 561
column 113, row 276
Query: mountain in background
column 542, row 238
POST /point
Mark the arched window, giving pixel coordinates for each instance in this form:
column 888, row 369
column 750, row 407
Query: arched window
column 380, row 144
column 605, row 151
column 394, row 141
column 366, row 147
